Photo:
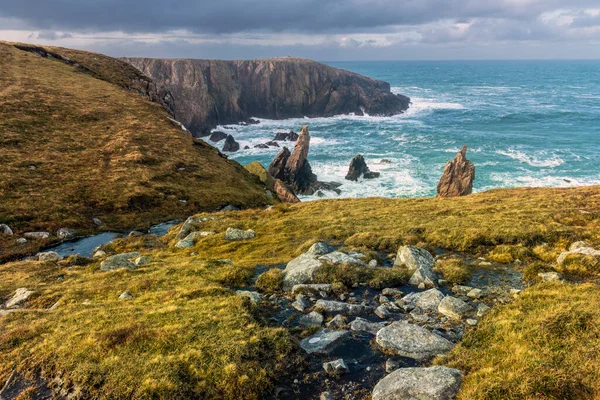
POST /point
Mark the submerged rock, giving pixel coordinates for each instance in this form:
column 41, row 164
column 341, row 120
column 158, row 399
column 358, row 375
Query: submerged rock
column 458, row 176
column 358, row 167
column 412, row 341
column 230, row 145
column 433, row 383
column 324, row 341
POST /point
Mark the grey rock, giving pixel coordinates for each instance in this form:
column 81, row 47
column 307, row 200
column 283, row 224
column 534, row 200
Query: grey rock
column 580, row 248
column 66, row 233
column 324, row 341
column 97, row 221
column 336, row 367
column 455, row 308
column 338, row 322
column 21, row 241
column 239, row 234
column 21, row 296
column 143, row 260
column 254, row 297
column 313, row 289
column 412, row 341
column 190, row 240
column 413, row 258
column 311, row 319
column 461, row 290
column 230, row 207
column 387, row 310
column 125, row 296
column 301, row 303
column 363, row 325
column 48, row 256
column 372, row 264
column 119, row 261
column 393, row 292
column 383, row 299
column 332, row 307
column 471, row 321
column 5, row 229
column 550, row 276
column 99, row 253
column 482, row 309
column 300, row 270
column 320, row 248
column 36, row 235
column 475, row 293
column 391, row 365
column 337, row 257
column 433, row 383
column 428, row 300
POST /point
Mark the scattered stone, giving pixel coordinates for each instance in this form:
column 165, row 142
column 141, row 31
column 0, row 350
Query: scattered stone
column 48, row 256
column 217, row 136
column 482, row 309
column 337, row 367
column 97, row 221
column 37, row 235
column 311, row 319
column 421, row 262
column 461, row 290
column 119, row 261
column 191, row 239
column 290, row 136
column 358, row 167
column 66, row 233
column 254, row 297
column 426, row 301
column 239, row 234
column 300, row 270
column 5, row 229
column 412, row 341
column 433, row 383
column 387, row 310
column 372, row 264
column 99, row 253
column 475, row 293
column 230, row 145
column 143, row 260
column 324, row 341
column 320, row 248
column 383, row 299
column 332, row 307
column 313, row 289
column 125, row 296
column 21, row 295
column 455, row 308
column 363, row 325
column 471, row 321
column 393, row 292
column 337, row 257
column 21, row 241
column 337, row 322
column 458, row 176
column 391, row 365
column 301, row 303
column 550, row 276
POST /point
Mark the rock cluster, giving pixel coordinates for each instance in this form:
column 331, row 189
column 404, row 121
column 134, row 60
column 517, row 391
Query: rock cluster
column 458, row 176
column 290, row 136
column 358, row 167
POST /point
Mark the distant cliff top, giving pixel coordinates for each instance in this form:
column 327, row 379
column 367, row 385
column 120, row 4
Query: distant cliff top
column 207, row 93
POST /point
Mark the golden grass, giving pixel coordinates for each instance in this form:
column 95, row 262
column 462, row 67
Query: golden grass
column 454, row 270
column 545, row 345
column 99, row 150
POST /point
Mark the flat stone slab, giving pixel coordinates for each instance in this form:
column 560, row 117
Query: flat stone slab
column 412, row 341
column 324, row 341
column 363, row 325
column 332, row 307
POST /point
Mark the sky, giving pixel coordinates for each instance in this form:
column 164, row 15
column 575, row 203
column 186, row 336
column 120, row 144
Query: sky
column 325, row 30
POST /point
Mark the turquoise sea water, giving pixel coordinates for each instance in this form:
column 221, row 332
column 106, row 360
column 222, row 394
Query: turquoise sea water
column 527, row 123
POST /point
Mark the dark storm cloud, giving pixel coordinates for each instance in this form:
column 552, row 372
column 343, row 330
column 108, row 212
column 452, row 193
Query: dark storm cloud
column 230, row 16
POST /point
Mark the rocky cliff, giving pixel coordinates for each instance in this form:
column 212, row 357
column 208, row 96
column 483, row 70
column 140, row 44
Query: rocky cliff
column 212, row 92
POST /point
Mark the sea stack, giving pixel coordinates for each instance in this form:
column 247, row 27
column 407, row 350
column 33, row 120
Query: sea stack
column 358, row 168
column 458, row 176
column 230, row 144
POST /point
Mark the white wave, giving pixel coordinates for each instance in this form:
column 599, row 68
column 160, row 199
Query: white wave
column 506, row 179
column 536, row 160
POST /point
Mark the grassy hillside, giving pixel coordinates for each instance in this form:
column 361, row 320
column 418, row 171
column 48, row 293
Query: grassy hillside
column 81, row 139
column 186, row 334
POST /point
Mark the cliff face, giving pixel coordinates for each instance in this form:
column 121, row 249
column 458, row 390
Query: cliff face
column 211, row 92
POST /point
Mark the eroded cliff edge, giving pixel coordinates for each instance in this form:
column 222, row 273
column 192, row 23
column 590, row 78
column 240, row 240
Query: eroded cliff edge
column 212, row 92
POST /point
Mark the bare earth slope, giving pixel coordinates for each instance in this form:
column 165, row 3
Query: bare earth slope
column 212, row 92
column 80, row 139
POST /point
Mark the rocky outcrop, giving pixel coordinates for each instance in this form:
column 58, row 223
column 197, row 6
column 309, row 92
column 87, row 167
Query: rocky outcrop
column 408, row 340
column 208, row 93
column 458, row 176
column 230, row 145
column 290, row 136
column 358, row 168
column 277, row 167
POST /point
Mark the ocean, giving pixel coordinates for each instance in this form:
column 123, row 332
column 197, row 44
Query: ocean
column 527, row 123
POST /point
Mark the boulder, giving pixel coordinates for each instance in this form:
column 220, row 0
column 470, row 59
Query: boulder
column 37, row 235
column 311, row 319
column 284, row 193
column 387, row 310
column 119, row 261
column 239, row 234
column 420, row 262
column 21, row 241
column 125, row 296
column 5, row 229
column 458, row 176
column 358, row 167
column 337, row 257
column 190, row 240
column 230, row 145
column 300, row 270
column 290, row 136
column 332, row 307
column 336, row 367
column 217, row 136
column 48, row 256
column 432, row 383
column 21, row 295
column 363, row 325
column 428, row 300
column 321, row 248
column 324, row 341
column 66, row 233
column 579, row 249
column 408, row 340
column 455, row 308
column 254, row 297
